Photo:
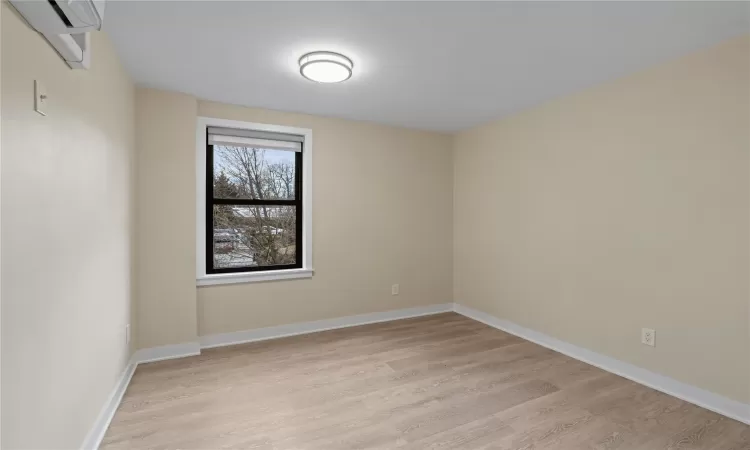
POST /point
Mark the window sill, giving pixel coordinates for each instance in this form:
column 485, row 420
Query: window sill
column 253, row 277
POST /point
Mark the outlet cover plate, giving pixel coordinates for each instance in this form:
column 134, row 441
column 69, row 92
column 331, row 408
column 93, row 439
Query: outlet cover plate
column 648, row 337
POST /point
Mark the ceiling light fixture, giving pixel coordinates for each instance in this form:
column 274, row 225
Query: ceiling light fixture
column 325, row 67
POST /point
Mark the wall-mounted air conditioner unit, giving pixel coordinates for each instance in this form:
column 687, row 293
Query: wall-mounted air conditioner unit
column 66, row 25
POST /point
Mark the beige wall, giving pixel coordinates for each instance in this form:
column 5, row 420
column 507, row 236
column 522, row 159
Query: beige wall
column 382, row 214
column 165, row 141
column 66, row 236
column 621, row 207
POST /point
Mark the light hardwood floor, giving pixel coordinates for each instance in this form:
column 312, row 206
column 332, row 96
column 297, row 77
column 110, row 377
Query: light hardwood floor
column 442, row 381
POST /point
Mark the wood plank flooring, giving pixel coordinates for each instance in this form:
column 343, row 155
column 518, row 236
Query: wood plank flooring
column 442, row 381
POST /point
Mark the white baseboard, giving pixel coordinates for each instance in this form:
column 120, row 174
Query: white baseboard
column 705, row 399
column 700, row 397
column 96, row 434
column 262, row 334
column 153, row 354
column 99, row 429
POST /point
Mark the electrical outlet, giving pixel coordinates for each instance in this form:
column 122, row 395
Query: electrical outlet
column 648, row 336
column 127, row 334
column 394, row 289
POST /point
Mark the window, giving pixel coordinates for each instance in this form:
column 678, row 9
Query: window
column 254, row 208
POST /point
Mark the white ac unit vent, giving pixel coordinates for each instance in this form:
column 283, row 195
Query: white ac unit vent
column 66, row 25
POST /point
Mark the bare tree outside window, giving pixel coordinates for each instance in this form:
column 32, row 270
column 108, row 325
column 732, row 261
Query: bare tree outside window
column 245, row 233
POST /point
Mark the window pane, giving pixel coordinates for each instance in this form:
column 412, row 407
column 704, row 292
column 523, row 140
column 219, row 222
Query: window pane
column 253, row 173
column 251, row 236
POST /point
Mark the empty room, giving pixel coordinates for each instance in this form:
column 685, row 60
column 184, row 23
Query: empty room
column 374, row 225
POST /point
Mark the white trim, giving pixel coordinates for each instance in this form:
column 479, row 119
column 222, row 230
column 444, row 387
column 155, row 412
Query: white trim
column 262, row 334
column 99, row 429
column 173, row 351
column 96, row 434
column 721, row 405
column 247, row 277
column 202, row 279
column 700, row 397
column 101, row 424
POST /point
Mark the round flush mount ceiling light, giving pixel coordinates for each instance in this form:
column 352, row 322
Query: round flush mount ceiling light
column 325, row 67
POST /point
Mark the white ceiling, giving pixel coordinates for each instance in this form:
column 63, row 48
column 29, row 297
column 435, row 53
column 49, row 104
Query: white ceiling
column 432, row 65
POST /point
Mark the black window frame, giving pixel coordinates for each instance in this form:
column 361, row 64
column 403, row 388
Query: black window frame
column 211, row 201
